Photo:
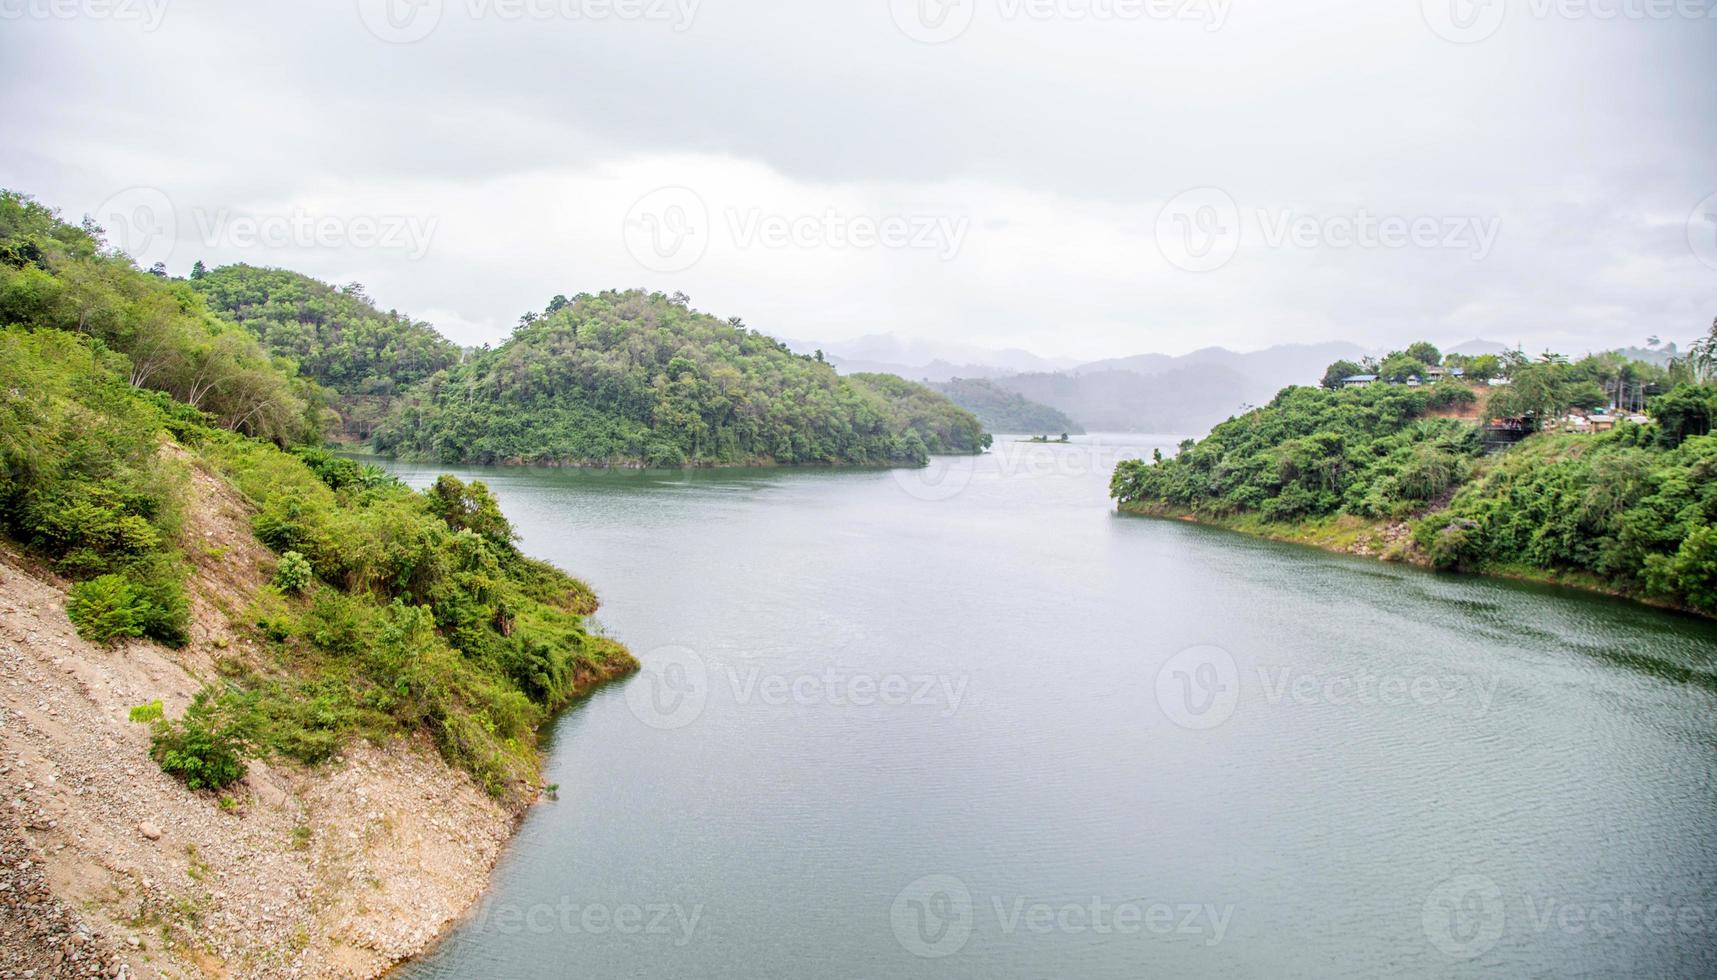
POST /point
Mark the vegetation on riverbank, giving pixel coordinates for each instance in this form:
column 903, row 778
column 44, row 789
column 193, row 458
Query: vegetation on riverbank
column 1379, row 470
column 392, row 612
column 640, row 378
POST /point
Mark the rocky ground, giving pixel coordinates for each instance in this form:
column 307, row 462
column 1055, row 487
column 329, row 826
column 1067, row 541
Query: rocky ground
column 108, row 867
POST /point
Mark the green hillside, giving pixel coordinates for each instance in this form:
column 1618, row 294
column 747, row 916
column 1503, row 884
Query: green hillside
column 626, row 378
column 336, row 337
column 1001, row 410
column 1390, row 469
column 390, row 612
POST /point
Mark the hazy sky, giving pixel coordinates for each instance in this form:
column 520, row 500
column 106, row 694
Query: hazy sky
column 1077, row 177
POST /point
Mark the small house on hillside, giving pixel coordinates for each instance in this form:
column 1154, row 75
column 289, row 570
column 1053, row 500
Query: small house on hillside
column 1358, row 380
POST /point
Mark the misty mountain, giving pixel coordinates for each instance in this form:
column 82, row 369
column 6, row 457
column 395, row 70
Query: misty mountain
column 1183, row 401
column 1277, row 366
column 1475, row 347
column 926, row 359
column 1002, row 410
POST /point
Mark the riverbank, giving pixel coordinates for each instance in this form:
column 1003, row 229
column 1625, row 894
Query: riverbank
column 1386, row 541
column 344, row 868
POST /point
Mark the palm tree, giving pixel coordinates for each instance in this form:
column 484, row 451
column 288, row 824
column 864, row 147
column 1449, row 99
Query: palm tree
column 1701, row 359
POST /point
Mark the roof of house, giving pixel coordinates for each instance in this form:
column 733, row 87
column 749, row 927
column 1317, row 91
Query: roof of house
column 1359, row 377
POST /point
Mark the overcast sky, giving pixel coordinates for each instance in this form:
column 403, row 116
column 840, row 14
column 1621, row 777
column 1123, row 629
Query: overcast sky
column 1080, row 178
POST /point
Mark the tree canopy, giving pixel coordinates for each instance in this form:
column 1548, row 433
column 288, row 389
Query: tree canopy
column 335, row 336
column 633, row 377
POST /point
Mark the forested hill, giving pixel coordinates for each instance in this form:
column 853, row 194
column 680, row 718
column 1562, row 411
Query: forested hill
column 1002, row 410
column 634, row 377
column 362, row 608
column 336, row 337
column 1394, row 470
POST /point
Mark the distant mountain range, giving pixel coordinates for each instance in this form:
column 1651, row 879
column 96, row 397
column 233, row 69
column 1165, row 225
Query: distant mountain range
column 922, row 360
column 1166, row 393
column 1184, row 394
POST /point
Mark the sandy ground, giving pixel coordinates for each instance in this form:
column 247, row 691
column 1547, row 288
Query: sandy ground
column 109, row 867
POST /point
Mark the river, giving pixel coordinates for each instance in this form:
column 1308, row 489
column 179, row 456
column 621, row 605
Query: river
column 969, row 722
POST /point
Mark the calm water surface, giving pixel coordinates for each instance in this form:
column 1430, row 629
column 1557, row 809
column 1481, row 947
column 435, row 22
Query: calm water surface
column 971, row 723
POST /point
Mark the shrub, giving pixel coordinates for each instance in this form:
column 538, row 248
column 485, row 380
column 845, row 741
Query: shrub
column 294, row 573
column 105, row 608
column 147, row 713
column 196, row 755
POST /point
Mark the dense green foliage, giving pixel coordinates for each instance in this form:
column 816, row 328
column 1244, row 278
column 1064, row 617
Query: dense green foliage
column 393, row 612
column 336, row 337
column 84, row 484
column 1368, row 451
column 629, row 377
column 1632, row 508
column 1001, row 410
column 54, row 276
column 1617, row 505
column 199, row 756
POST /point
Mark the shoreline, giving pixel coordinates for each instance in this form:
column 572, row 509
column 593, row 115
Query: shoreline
column 1386, row 541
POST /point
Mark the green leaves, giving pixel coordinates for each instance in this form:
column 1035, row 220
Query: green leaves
column 105, row 609
column 628, row 377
